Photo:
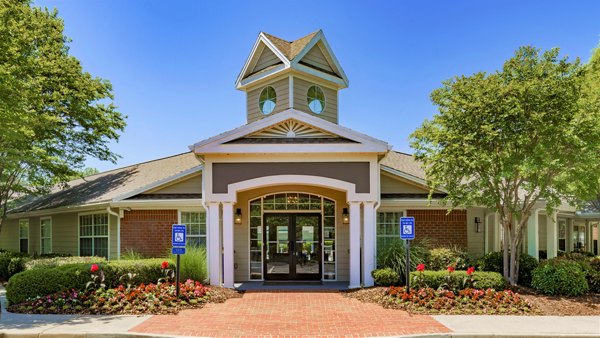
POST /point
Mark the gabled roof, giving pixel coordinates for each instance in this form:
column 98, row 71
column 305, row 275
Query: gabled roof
column 285, row 56
column 274, row 127
column 115, row 184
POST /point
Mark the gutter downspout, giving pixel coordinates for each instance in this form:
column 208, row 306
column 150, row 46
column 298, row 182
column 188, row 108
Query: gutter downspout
column 109, row 210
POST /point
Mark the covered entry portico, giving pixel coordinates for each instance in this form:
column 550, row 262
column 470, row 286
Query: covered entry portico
column 293, row 240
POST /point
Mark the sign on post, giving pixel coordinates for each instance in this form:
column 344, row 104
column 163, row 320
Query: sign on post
column 178, row 248
column 407, row 227
column 407, row 232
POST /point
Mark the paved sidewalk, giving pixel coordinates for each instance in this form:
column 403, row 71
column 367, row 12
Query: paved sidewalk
column 525, row 326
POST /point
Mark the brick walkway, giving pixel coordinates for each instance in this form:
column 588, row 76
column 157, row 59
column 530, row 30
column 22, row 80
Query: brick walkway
column 306, row 314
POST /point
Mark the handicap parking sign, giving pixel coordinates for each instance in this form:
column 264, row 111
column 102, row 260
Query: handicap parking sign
column 407, row 228
column 178, row 235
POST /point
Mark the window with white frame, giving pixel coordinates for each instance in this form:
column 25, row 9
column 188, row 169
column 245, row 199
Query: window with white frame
column 195, row 227
column 24, row 235
column 45, row 235
column 562, row 235
column 93, row 235
column 388, row 228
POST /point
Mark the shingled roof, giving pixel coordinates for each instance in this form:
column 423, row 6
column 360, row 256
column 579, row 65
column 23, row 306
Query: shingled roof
column 405, row 163
column 106, row 186
column 290, row 49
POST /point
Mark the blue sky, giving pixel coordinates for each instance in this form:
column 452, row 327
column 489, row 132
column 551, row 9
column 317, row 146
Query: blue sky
column 173, row 64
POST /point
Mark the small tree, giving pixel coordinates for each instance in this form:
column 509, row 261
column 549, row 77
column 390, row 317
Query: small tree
column 513, row 138
column 53, row 115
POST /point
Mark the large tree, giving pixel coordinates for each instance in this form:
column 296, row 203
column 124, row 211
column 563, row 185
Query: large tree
column 53, row 114
column 524, row 134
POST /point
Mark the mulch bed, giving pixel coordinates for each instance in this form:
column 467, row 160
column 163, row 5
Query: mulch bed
column 588, row 305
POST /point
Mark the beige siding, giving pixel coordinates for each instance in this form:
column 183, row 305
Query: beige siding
column 267, row 58
column 241, row 231
column 542, row 231
column 475, row 240
column 282, row 101
column 300, row 100
column 315, row 58
column 113, row 234
column 9, row 235
column 190, row 186
column 397, row 185
column 64, row 233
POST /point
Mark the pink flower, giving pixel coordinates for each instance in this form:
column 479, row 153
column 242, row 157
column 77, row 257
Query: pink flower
column 470, row 271
column 94, row 268
column 421, row 267
column 450, row 269
column 164, row 265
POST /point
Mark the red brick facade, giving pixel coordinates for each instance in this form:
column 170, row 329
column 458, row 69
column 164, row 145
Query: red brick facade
column 147, row 231
column 440, row 228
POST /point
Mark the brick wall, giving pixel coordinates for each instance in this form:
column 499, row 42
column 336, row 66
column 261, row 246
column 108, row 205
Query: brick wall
column 147, row 231
column 440, row 228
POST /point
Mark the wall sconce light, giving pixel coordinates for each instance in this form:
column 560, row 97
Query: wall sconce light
column 237, row 219
column 345, row 216
column 477, row 224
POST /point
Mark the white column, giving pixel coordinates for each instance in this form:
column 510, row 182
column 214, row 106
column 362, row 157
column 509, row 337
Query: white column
column 369, row 250
column 588, row 247
column 569, row 236
column 354, row 244
column 214, row 244
column 552, row 235
column 496, row 233
column 228, row 244
column 533, row 239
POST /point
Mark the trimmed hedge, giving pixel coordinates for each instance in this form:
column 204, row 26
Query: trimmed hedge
column 483, row 279
column 440, row 258
column 44, row 281
column 46, row 263
column 385, row 277
column 560, row 277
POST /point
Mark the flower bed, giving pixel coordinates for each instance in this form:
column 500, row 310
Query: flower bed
column 143, row 299
column 467, row 301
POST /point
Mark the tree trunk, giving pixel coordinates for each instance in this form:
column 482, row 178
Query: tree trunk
column 505, row 250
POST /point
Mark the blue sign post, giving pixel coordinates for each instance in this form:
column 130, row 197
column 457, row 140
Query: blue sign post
column 407, row 232
column 178, row 240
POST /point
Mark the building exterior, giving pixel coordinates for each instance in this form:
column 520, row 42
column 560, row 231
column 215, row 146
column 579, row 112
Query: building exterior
column 291, row 195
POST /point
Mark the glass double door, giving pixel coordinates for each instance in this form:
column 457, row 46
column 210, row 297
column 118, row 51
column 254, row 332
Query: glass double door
column 292, row 248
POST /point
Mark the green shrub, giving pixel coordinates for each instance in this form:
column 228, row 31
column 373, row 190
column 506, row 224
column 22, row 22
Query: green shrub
column 385, row 277
column 45, row 263
column 42, row 280
column 440, row 258
column 132, row 255
column 394, row 256
column 483, row 280
column 16, row 265
column 193, row 264
column 5, row 258
column 560, row 277
column 494, row 261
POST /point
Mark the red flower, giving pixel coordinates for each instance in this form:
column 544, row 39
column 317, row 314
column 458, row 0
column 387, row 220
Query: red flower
column 94, row 268
column 421, row 267
column 450, row 268
column 164, row 265
column 470, row 271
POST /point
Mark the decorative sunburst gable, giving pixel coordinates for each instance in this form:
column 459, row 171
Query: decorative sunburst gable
column 292, row 128
column 290, row 131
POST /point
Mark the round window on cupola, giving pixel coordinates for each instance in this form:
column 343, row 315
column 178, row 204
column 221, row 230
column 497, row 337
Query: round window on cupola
column 267, row 100
column 316, row 99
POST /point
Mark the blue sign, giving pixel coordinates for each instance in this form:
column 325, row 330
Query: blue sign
column 178, row 250
column 178, row 235
column 407, row 227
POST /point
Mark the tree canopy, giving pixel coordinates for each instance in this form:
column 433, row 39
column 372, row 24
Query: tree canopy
column 527, row 133
column 53, row 114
